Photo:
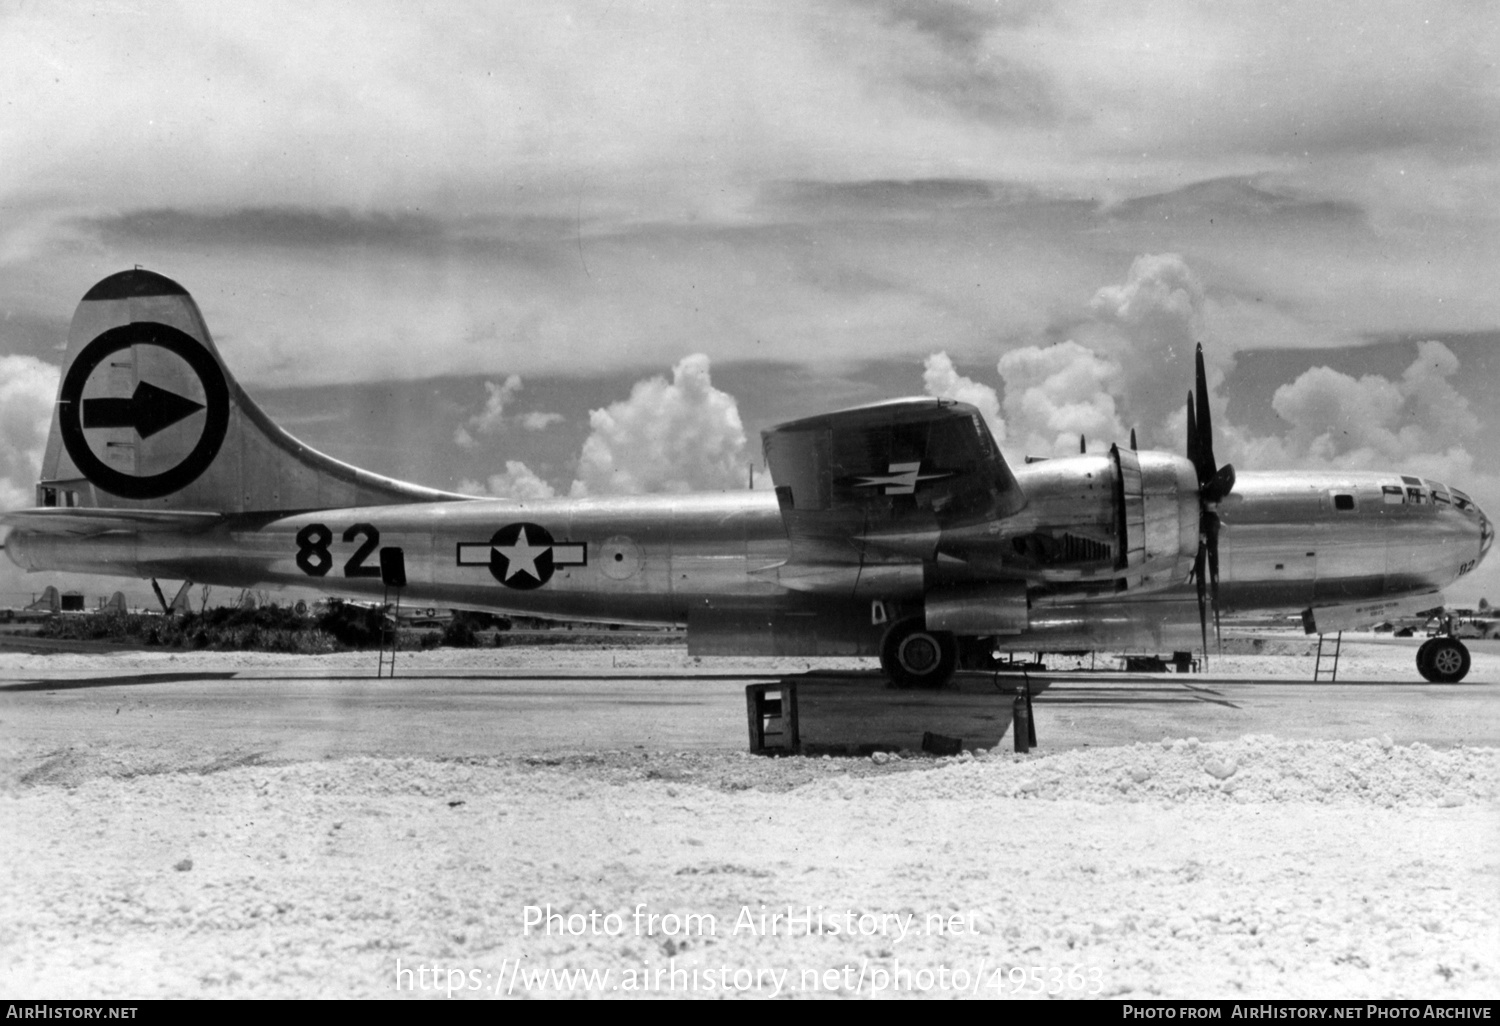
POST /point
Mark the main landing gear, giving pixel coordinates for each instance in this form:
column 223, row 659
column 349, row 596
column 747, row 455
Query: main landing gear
column 915, row 657
column 1443, row 660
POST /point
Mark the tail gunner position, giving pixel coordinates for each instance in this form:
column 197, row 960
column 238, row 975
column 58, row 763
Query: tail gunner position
column 895, row 529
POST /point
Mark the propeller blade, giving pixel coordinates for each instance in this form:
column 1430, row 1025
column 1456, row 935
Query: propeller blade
column 1083, row 446
column 1133, row 446
column 1205, row 424
column 1211, row 536
column 1214, row 483
column 1192, row 439
column 1198, row 577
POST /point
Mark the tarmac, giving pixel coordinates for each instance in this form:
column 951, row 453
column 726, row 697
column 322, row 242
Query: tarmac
column 287, row 711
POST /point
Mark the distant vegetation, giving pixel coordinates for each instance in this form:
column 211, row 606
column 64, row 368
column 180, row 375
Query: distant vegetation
column 329, row 626
column 266, row 629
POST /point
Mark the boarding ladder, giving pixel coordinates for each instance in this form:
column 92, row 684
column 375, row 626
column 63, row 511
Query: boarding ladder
column 393, row 576
column 390, row 634
column 1332, row 657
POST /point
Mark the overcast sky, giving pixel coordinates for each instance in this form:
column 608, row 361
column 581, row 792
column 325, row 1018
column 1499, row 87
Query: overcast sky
column 552, row 248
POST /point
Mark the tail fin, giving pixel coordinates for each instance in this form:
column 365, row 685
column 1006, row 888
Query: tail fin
column 148, row 416
column 50, row 601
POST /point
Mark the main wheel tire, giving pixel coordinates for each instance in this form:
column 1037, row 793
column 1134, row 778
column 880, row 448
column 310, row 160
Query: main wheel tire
column 1443, row 660
column 1423, row 651
column 915, row 657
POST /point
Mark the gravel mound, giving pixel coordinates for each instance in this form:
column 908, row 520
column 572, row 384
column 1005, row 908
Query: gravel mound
column 1252, row 868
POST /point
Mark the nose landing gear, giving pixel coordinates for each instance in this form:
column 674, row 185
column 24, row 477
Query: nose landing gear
column 1443, row 660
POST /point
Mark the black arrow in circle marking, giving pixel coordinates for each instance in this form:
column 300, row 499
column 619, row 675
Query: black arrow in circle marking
column 70, row 409
column 149, row 410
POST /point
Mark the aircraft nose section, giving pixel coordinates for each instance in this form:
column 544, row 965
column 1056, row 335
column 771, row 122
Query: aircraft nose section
column 1477, row 518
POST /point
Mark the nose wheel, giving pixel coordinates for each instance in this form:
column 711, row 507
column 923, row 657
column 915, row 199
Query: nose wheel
column 1443, row 660
column 915, row 657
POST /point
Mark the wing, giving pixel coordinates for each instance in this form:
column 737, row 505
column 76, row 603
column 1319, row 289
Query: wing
column 867, row 493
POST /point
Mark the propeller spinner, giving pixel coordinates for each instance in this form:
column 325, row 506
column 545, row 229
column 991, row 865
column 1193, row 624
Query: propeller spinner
column 1214, row 483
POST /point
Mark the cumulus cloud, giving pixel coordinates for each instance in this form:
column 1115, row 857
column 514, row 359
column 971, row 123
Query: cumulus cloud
column 1053, row 394
column 1150, row 325
column 493, row 418
column 1130, row 364
column 1335, row 419
column 940, row 378
column 490, row 419
column 1161, row 296
column 1056, row 393
column 681, row 435
column 518, row 482
column 28, row 388
column 539, row 421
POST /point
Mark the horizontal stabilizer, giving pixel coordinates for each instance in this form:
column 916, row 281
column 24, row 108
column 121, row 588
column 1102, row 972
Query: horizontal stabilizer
column 83, row 522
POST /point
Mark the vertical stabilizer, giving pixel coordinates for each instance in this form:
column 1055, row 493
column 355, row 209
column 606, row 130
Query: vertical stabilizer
column 50, row 602
column 148, row 416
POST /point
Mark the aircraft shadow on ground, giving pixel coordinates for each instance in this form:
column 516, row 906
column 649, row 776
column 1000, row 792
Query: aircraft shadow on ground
column 117, row 680
column 1052, row 689
column 127, row 680
column 592, row 676
column 1201, row 682
column 1092, row 688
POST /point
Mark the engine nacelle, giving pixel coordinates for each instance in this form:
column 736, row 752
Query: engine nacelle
column 1094, row 526
column 987, row 609
column 1156, row 512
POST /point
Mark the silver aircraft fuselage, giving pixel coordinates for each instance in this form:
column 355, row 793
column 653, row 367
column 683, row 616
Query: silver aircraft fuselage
column 1289, row 541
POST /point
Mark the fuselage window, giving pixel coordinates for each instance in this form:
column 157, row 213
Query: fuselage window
column 1414, row 496
column 1392, row 494
column 1343, row 502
